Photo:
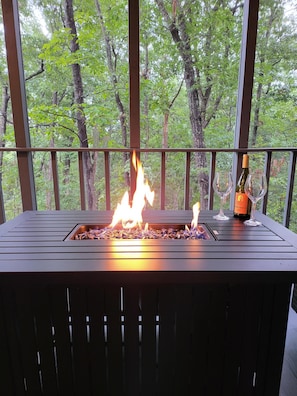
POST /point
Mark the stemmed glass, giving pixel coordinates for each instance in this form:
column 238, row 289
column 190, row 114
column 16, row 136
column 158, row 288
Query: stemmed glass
column 255, row 188
column 222, row 185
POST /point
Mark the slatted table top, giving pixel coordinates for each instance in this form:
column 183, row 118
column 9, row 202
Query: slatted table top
column 34, row 242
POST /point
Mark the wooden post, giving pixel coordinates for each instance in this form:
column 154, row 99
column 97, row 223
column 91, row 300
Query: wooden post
column 245, row 81
column 134, row 85
column 18, row 101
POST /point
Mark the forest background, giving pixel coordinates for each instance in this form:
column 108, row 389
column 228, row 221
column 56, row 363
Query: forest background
column 76, row 63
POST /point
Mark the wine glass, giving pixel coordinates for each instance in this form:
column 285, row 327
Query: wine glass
column 255, row 188
column 222, row 185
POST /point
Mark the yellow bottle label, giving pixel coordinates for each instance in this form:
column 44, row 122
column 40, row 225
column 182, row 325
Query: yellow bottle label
column 241, row 203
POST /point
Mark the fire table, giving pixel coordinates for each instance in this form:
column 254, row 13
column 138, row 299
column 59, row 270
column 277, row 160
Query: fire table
column 143, row 317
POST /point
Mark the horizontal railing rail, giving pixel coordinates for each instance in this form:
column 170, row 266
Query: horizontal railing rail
column 212, row 153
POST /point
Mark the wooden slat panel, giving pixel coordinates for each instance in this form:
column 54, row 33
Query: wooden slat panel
column 216, row 338
column 79, row 318
column 11, row 376
column 200, row 341
column 61, row 323
column 27, row 339
column 96, row 248
column 266, row 327
column 281, row 300
column 6, row 376
column 233, row 339
column 132, row 366
column 149, row 300
column 210, row 339
column 183, row 338
column 97, row 340
column 135, row 270
column 166, row 341
column 44, row 340
column 13, row 339
column 250, row 331
column 114, row 340
column 155, row 256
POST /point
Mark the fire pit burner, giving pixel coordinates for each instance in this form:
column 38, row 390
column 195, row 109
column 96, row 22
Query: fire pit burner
column 172, row 231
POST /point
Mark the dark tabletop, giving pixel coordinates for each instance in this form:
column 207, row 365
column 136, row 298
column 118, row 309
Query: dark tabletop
column 34, row 242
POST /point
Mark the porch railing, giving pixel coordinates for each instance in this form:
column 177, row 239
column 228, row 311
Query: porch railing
column 270, row 156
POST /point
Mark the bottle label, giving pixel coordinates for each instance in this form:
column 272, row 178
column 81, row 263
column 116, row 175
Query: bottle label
column 241, row 203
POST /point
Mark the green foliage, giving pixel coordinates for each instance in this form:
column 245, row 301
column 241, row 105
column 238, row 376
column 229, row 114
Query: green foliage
column 214, row 42
column 10, row 186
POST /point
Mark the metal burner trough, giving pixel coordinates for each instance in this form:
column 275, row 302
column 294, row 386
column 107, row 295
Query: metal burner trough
column 204, row 231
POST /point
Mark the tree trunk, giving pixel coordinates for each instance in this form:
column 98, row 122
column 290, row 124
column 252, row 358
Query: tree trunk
column 114, row 81
column 89, row 167
column 166, row 117
column 198, row 134
column 181, row 38
column 256, row 114
column 3, row 118
column 48, row 170
column 165, row 130
column 66, row 167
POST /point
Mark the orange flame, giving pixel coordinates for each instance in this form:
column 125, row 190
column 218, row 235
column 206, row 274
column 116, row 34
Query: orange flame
column 196, row 211
column 131, row 216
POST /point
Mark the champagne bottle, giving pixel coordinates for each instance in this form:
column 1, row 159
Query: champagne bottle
column 242, row 204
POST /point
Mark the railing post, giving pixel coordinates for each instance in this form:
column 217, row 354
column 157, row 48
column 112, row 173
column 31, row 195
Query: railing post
column 107, row 180
column 267, row 170
column 18, row 102
column 134, row 85
column 81, row 180
column 211, row 178
column 55, row 179
column 163, row 180
column 187, row 181
column 2, row 210
column 245, row 81
column 290, row 188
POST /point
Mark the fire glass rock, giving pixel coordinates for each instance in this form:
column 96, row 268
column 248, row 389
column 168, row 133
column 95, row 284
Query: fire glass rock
column 137, row 233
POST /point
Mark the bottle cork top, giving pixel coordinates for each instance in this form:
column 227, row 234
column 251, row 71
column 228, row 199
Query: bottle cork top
column 245, row 161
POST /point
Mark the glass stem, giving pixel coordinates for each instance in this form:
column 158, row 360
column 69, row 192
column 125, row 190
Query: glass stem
column 222, row 206
column 253, row 211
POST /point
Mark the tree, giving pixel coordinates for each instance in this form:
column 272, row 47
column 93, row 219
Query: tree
column 189, row 57
column 112, row 58
column 89, row 162
column 203, row 81
column 274, row 75
column 3, row 126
